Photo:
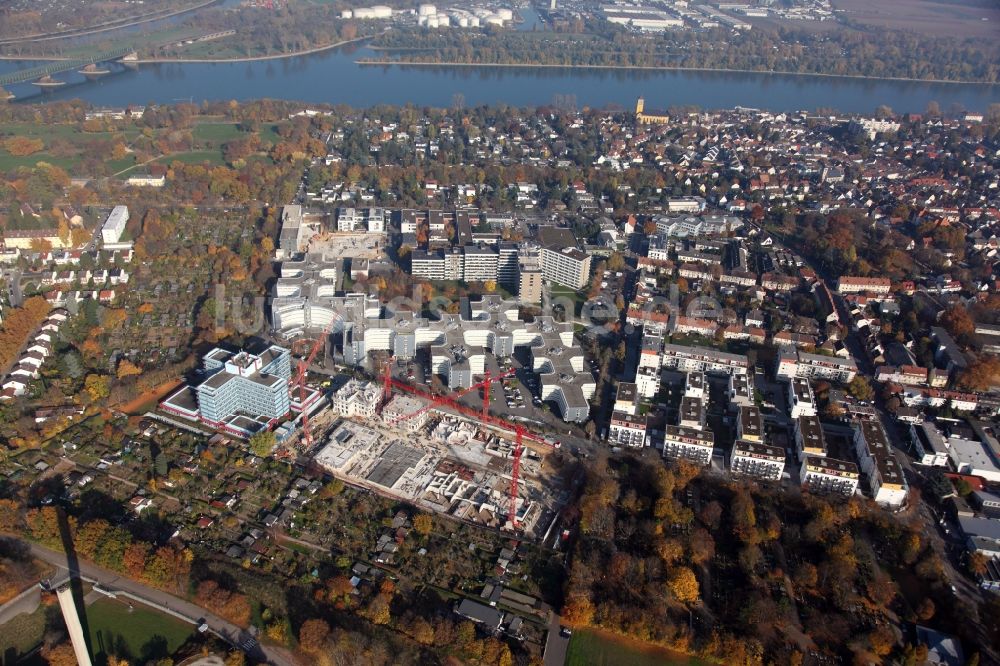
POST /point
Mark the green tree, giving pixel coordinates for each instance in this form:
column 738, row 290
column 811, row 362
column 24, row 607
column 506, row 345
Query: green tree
column 262, row 443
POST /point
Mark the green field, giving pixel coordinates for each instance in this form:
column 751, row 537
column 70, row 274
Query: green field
column 588, row 648
column 21, row 635
column 220, row 132
column 139, row 636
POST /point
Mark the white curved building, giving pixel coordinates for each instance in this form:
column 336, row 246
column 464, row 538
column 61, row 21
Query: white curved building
column 304, row 299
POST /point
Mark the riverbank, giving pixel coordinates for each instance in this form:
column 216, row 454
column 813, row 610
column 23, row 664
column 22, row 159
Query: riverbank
column 277, row 56
column 665, row 68
column 104, row 27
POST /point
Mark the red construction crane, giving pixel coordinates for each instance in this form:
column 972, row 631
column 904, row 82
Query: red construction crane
column 515, row 474
column 300, row 380
column 443, row 400
column 452, row 401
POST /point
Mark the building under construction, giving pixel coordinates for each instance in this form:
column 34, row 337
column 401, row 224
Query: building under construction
column 448, row 464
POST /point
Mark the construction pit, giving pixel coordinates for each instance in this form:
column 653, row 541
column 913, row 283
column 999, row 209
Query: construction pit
column 450, row 465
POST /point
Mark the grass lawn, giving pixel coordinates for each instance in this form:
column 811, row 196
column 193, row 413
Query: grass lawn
column 559, row 291
column 139, row 636
column 10, row 162
column 589, row 648
column 220, row 132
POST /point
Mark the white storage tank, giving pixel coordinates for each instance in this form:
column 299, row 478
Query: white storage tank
column 427, row 10
column 346, row 14
column 506, row 14
column 432, row 22
column 443, row 20
column 382, row 11
column 463, row 22
column 474, row 22
column 493, row 19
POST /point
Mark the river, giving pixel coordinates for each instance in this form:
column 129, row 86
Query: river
column 334, row 77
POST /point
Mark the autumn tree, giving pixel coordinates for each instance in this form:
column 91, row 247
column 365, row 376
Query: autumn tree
column 21, row 146
column 97, row 387
column 683, row 585
column 982, row 374
column 128, row 369
column 422, row 524
column 957, row 321
column 312, row 635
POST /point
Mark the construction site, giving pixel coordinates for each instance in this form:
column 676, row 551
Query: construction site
column 441, row 456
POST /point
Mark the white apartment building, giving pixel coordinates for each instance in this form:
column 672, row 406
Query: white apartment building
column 702, row 359
column 684, row 444
column 801, row 401
column 114, row 226
column 481, row 262
column 792, row 363
column 879, row 465
column 371, row 220
column 647, row 381
column 828, row 475
column 569, row 266
column 691, row 414
column 627, row 430
column 625, row 398
column 740, row 394
column 853, row 285
column 694, row 387
column 809, row 439
column 757, row 460
column 749, row 425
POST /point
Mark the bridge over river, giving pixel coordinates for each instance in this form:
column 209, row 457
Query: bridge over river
column 42, row 74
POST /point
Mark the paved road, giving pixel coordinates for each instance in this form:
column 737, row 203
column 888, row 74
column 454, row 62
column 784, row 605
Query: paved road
column 555, row 644
column 26, row 602
column 175, row 605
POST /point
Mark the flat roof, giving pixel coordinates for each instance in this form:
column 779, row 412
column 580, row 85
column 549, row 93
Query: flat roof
column 742, row 447
column 973, row 453
column 831, row 467
column 812, row 432
column 626, row 392
column 750, row 423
